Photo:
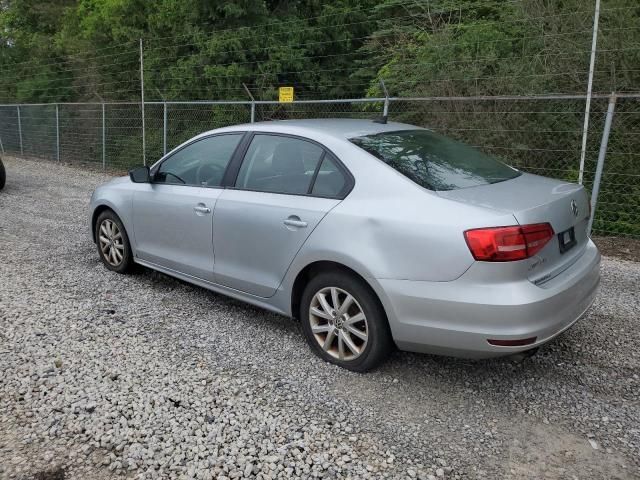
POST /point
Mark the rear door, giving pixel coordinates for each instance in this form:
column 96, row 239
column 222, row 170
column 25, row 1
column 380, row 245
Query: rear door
column 262, row 222
column 173, row 215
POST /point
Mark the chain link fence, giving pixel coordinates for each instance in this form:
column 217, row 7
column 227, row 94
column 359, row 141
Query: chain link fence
column 541, row 135
column 619, row 199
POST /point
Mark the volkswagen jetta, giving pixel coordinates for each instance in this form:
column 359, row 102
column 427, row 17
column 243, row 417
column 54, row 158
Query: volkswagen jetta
column 372, row 234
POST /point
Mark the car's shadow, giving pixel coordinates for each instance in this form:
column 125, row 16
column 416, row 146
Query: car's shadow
column 557, row 362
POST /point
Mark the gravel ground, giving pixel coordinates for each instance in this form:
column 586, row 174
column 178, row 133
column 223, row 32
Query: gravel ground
column 142, row 376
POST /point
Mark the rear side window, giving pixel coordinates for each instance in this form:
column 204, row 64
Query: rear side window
column 434, row 161
column 279, row 165
column 330, row 181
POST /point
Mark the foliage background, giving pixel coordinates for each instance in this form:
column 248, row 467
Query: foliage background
column 88, row 50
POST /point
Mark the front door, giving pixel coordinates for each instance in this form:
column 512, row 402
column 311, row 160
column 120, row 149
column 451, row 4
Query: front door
column 173, row 215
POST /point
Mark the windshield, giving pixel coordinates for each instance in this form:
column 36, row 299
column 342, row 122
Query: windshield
column 434, row 161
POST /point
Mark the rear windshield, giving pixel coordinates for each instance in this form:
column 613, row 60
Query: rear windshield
column 434, row 161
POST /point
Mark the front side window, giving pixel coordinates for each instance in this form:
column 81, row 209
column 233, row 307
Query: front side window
column 279, row 164
column 434, row 161
column 201, row 163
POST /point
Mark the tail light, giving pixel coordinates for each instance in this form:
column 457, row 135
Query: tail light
column 506, row 244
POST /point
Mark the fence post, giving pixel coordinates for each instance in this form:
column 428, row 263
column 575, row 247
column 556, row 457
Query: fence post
column 253, row 103
column 601, row 157
column 20, row 130
column 164, row 129
column 104, row 138
column 385, row 108
column 57, row 133
column 144, row 142
column 587, row 108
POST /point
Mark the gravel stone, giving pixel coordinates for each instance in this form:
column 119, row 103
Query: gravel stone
column 142, row 376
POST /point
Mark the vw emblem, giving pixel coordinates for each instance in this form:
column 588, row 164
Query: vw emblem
column 574, row 208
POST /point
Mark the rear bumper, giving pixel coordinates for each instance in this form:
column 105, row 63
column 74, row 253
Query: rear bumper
column 456, row 318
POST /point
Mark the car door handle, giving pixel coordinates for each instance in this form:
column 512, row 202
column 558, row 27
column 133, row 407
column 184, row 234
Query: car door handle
column 294, row 221
column 201, row 209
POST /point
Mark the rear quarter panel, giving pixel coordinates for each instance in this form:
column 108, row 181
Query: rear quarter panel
column 399, row 237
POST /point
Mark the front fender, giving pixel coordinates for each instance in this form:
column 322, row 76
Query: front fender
column 117, row 198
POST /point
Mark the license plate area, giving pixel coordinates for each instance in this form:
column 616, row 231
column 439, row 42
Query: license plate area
column 567, row 240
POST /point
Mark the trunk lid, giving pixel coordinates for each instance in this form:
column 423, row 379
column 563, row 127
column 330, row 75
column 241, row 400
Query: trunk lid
column 534, row 199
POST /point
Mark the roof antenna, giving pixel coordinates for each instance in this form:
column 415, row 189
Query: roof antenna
column 385, row 111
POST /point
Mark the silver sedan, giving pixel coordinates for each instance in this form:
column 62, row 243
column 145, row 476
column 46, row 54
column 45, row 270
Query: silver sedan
column 373, row 235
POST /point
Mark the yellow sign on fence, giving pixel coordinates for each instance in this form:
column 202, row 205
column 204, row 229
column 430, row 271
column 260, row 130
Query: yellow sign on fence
column 285, row 94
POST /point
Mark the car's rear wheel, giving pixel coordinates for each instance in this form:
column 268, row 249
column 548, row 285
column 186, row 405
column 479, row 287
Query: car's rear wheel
column 344, row 322
column 113, row 243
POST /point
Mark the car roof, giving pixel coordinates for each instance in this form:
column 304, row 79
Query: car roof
column 336, row 127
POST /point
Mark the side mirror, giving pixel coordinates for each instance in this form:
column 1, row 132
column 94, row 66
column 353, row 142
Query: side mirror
column 140, row 175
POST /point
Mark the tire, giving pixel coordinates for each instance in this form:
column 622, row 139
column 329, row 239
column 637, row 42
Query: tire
column 116, row 255
column 3, row 175
column 373, row 343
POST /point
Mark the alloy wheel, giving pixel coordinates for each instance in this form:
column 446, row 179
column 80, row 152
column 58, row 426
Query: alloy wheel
column 111, row 242
column 338, row 323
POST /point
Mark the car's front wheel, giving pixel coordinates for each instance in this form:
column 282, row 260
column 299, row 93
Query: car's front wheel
column 344, row 322
column 113, row 243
